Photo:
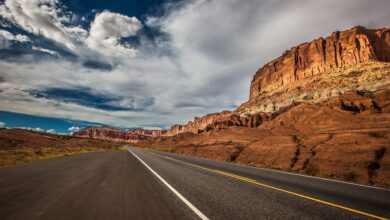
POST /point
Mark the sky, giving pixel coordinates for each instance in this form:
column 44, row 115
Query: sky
column 65, row 65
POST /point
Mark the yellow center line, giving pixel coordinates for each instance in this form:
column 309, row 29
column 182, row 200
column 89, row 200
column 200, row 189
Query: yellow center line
column 277, row 188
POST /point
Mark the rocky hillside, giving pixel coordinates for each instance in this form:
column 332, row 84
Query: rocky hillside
column 351, row 60
column 112, row 134
column 225, row 118
column 322, row 108
column 345, row 137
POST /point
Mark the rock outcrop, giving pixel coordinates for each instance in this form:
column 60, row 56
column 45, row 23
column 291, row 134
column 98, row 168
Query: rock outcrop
column 341, row 49
column 218, row 120
column 112, row 134
column 147, row 132
column 351, row 60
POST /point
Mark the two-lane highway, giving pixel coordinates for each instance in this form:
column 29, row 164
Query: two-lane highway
column 229, row 191
column 144, row 184
column 105, row 185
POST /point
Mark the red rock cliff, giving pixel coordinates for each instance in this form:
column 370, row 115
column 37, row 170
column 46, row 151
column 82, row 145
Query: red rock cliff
column 346, row 48
column 112, row 134
column 153, row 133
column 220, row 119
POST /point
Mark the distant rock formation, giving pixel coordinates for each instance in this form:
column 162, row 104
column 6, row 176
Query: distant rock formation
column 112, row 134
column 221, row 119
column 147, row 132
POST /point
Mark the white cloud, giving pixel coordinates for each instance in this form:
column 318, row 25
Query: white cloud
column 73, row 129
column 2, row 125
column 49, row 19
column 6, row 37
column 54, row 53
column 106, row 31
column 151, row 128
column 108, row 25
column 51, row 131
column 40, row 17
column 37, row 129
column 21, row 38
column 215, row 47
column 4, row 42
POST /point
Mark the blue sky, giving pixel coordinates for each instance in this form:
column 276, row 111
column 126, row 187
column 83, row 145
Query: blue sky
column 148, row 63
column 60, row 125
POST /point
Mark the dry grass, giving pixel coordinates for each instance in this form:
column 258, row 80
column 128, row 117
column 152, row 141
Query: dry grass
column 28, row 154
column 20, row 146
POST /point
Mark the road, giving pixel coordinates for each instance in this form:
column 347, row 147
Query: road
column 145, row 184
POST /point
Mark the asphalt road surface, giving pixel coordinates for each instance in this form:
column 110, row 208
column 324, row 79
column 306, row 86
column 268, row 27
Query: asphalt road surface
column 144, row 184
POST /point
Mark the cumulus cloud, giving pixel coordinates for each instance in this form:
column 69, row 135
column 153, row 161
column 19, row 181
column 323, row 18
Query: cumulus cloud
column 74, row 129
column 50, row 19
column 37, row 129
column 2, row 125
column 51, row 131
column 108, row 28
column 203, row 63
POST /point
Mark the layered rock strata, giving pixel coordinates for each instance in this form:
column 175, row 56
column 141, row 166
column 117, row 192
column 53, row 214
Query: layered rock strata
column 112, row 134
column 344, row 61
column 341, row 49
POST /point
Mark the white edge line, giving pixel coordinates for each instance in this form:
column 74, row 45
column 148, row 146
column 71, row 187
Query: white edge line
column 188, row 203
column 284, row 172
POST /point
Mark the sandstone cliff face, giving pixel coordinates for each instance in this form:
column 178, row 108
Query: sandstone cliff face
column 218, row 120
column 198, row 124
column 112, row 134
column 147, row 132
column 352, row 60
column 346, row 48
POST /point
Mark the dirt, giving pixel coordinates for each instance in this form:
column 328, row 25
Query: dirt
column 20, row 146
